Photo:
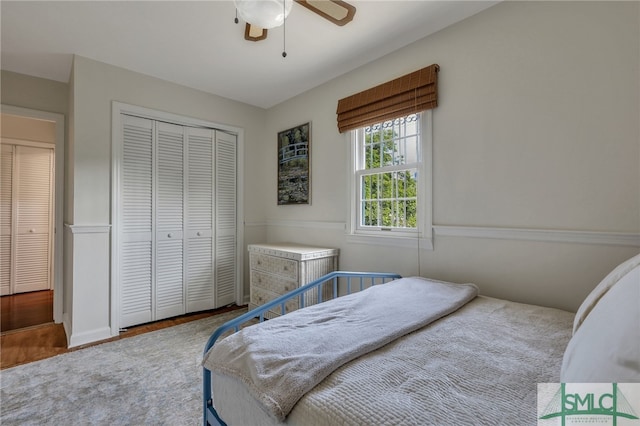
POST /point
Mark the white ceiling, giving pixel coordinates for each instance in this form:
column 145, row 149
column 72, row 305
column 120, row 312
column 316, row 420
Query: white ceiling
column 197, row 44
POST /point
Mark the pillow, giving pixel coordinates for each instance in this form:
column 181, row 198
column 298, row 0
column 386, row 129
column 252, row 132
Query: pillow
column 602, row 288
column 605, row 348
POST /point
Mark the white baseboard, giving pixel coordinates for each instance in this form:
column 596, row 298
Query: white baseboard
column 91, row 336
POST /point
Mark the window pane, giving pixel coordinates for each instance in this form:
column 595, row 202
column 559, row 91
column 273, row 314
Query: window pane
column 370, row 213
column 391, row 143
column 387, row 213
column 389, row 199
column 373, row 155
column 412, row 213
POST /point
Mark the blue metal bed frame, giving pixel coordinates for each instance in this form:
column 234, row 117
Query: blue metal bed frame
column 210, row 416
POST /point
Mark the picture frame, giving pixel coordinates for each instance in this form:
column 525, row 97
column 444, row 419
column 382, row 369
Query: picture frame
column 294, row 165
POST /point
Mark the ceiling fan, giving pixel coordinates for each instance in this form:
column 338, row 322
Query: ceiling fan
column 261, row 15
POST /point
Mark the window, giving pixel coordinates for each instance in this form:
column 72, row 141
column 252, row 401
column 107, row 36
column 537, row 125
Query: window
column 391, row 181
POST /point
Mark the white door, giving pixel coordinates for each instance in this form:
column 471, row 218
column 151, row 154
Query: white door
column 176, row 222
column 225, row 218
column 135, row 224
column 199, row 220
column 151, row 221
column 27, row 218
column 169, row 220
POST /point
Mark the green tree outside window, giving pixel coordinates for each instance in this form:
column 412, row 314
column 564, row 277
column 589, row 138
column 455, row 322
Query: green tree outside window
column 389, row 198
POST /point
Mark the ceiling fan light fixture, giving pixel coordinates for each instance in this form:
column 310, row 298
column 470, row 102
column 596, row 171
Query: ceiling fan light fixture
column 264, row 13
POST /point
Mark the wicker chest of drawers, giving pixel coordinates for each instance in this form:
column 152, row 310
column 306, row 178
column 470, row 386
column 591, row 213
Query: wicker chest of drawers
column 278, row 268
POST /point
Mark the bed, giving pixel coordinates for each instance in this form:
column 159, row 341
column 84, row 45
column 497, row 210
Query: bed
column 415, row 351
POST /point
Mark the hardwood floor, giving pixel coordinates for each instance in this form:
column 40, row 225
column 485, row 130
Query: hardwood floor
column 26, row 310
column 39, row 342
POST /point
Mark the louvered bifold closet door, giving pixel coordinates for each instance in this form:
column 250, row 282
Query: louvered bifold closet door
column 6, row 182
column 136, row 222
column 199, row 220
column 225, row 218
column 33, row 214
column 169, row 208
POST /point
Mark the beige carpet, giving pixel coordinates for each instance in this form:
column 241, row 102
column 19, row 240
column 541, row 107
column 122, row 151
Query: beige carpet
column 150, row 379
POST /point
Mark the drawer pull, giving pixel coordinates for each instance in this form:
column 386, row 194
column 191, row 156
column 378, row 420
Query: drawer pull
column 169, row 235
column 199, row 233
column 259, row 262
column 285, row 268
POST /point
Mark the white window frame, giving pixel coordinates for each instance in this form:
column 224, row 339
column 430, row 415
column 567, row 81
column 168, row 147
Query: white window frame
column 423, row 235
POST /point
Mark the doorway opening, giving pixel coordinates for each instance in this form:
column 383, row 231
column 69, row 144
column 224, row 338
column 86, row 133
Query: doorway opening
column 31, row 217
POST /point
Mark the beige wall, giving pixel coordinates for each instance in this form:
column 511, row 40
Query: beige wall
column 536, row 128
column 33, row 92
column 17, row 127
column 94, row 87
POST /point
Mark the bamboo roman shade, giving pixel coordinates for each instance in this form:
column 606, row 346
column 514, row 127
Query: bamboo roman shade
column 408, row 94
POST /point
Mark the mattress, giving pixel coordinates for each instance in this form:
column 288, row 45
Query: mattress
column 479, row 365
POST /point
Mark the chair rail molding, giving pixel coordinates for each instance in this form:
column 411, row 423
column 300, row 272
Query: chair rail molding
column 88, row 229
column 631, row 239
column 314, row 224
column 628, row 239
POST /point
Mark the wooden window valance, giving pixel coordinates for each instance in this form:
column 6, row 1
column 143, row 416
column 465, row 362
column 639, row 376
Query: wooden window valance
column 408, row 94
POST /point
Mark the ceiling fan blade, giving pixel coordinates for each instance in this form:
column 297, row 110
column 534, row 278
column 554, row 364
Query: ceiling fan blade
column 336, row 11
column 254, row 33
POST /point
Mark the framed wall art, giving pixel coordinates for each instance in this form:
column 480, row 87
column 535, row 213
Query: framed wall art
column 294, row 177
